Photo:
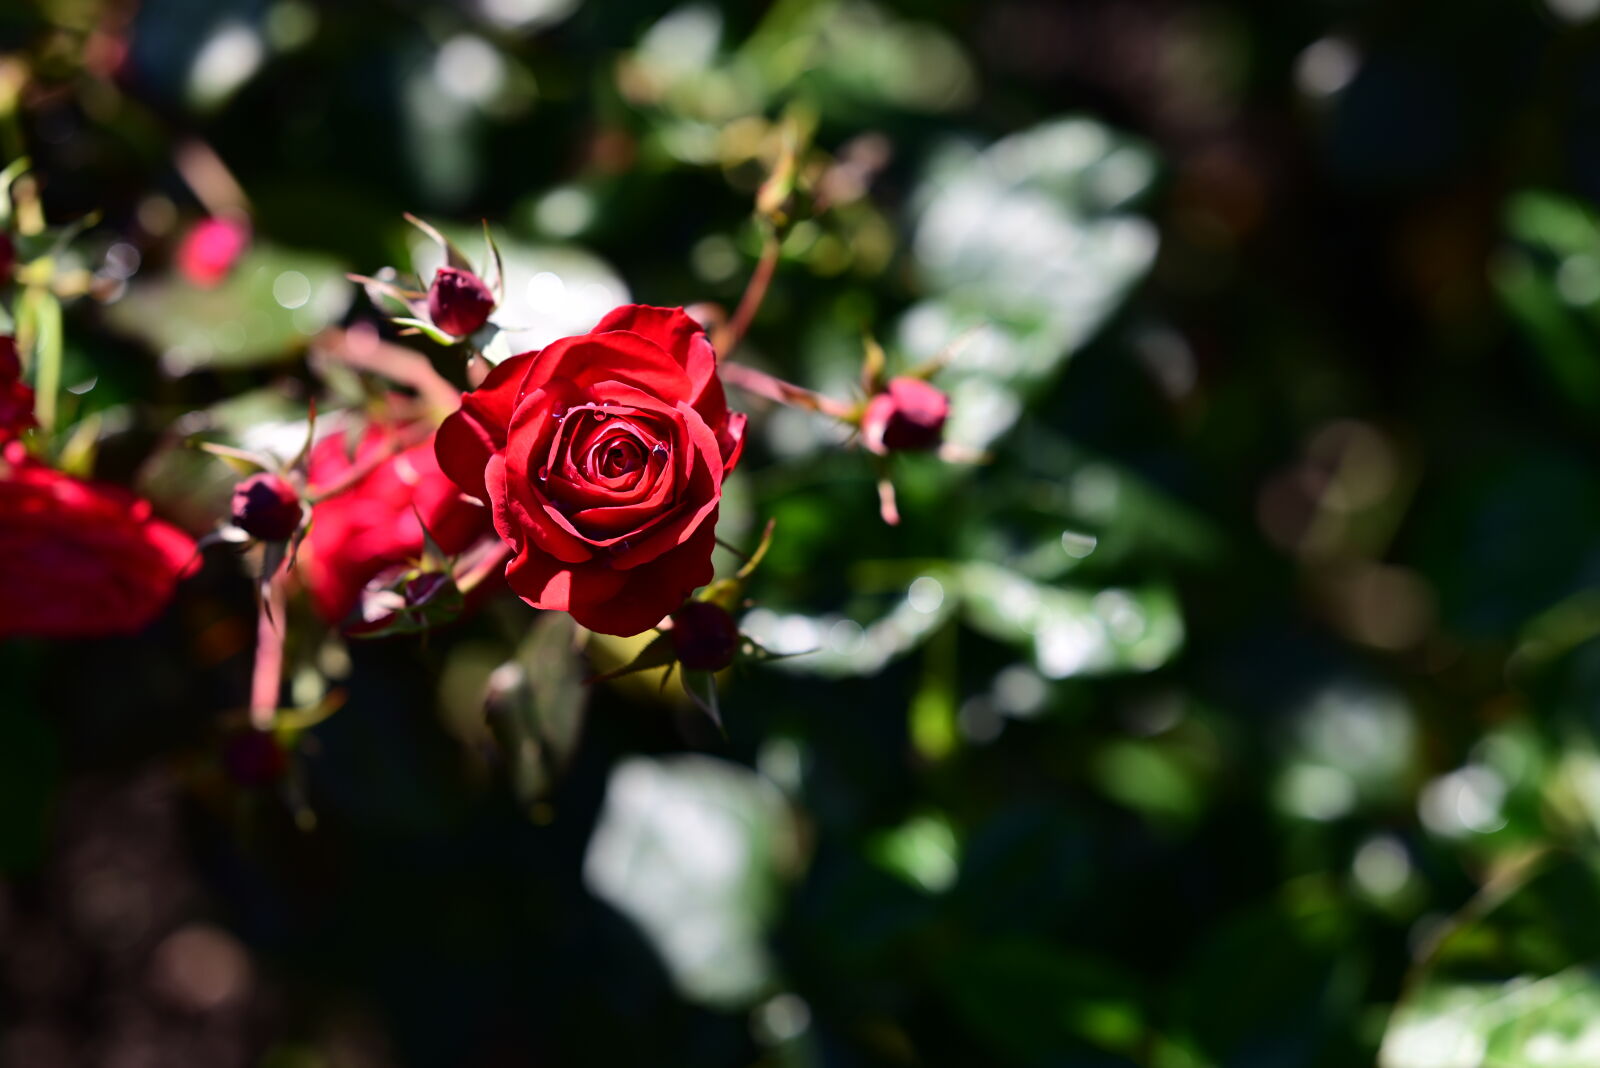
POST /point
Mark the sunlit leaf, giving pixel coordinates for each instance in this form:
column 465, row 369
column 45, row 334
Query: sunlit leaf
column 694, row 850
column 267, row 310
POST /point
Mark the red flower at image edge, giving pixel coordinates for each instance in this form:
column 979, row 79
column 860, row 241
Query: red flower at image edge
column 374, row 525
column 602, row 458
column 80, row 559
column 16, row 396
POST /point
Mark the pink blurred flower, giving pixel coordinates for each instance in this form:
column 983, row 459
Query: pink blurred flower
column 211, row 247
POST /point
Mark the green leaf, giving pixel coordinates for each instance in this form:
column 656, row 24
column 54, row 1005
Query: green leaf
column 989, row 231
column 1073, row 631
column 1527, row 1022
column 537, row 705
column 694, row 851
column 266, row 311
column 39, row 333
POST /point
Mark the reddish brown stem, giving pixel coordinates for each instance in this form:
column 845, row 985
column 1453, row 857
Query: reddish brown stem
column 755, row 291
column 267, row 677
column 776, row 389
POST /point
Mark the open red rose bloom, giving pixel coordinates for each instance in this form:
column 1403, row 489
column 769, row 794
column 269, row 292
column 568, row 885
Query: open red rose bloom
column 376, row 523
column 602, row 458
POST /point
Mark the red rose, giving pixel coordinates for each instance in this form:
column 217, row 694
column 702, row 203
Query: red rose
column 458, row 301
column 80, row 559
column 602, row 458
column 909, row 415
column 16, row 396
column 210, row 248
column 374, row 525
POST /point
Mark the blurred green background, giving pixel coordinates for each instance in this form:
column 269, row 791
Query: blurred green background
column 1241, row 711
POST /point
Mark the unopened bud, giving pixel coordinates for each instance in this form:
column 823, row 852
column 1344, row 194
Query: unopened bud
column 909, row 415
column 265, row 506
column 458, row 302
column 704, row 636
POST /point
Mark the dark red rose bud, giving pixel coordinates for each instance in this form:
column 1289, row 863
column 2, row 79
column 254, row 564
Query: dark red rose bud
column 909, row 415
column 704, row 636
column 254, row 758
column 266, row 507
column 8, row 258
column 16, row 396
column 458, row 302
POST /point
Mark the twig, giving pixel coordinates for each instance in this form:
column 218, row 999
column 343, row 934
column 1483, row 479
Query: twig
column 776, row 389
column 755, row 291
column 267, row 678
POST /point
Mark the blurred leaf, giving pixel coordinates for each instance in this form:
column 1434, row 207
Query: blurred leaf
column 1032, row 240
column 1073, row 632
column 922, row 852
column 266, row 310
column 1526, row 1022
column 538, row 713
column 693, row 850
column 1550, row 281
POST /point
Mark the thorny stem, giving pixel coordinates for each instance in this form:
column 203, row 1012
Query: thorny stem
column 755, row 291
column 267, row 677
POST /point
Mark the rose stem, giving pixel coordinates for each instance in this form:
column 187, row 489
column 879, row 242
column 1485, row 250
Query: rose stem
column 776, row 389
column 268, row 674
column 886, row 503
column 754, row 293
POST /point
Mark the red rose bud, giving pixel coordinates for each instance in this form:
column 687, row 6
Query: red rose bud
column 458, row 302
column 909, row 415
column 16, row 396
column 210, row 249
column 266, row 507
column 704, row 636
